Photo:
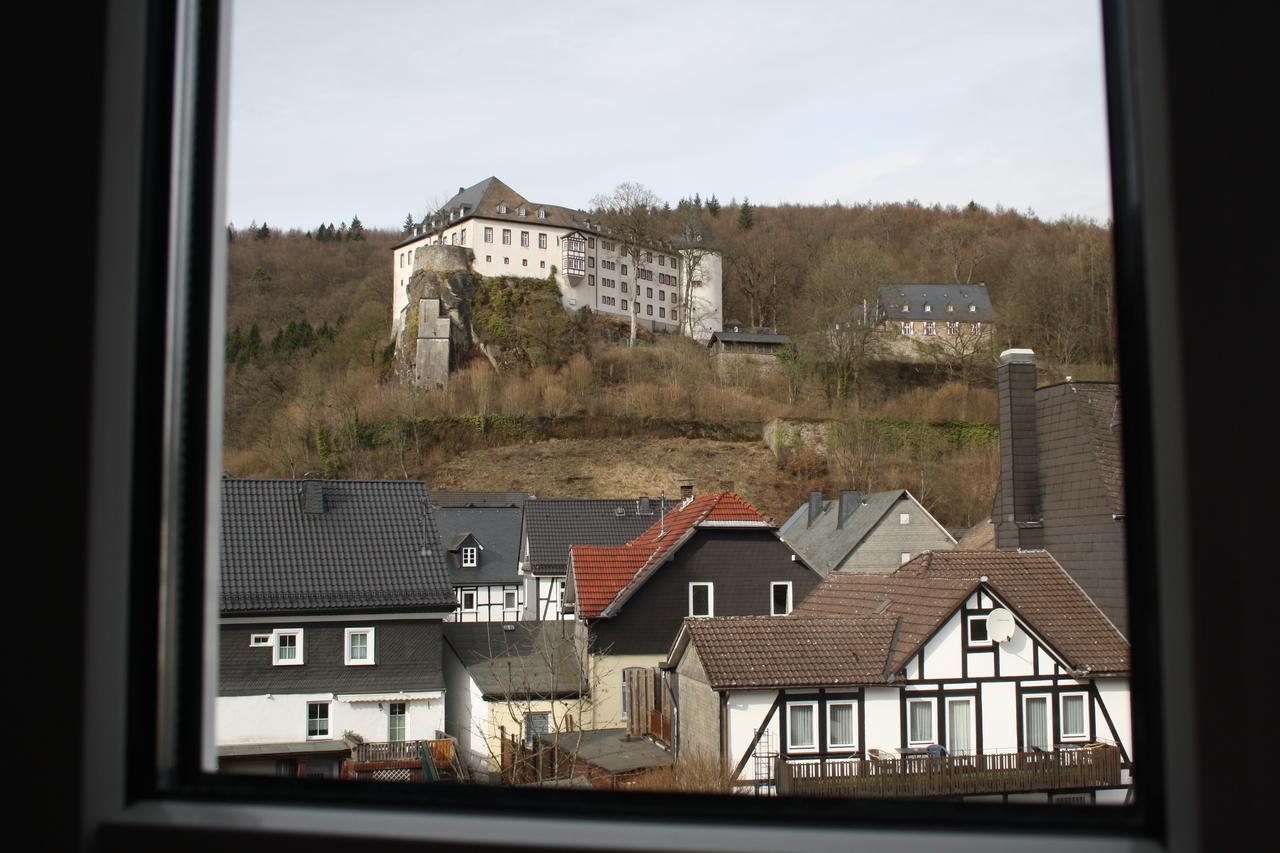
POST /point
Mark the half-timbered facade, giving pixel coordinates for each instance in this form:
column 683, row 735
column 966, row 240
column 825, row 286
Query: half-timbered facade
column 713, row 555
column 911, row 683
column 480, row 536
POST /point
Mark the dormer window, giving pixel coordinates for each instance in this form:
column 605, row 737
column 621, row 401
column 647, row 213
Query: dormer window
column 521, row 210
column 951, row 308
column 973, row 308
column 502, row 208
column 542, row 214
column 905, row 308
column 928, row 309
column 470, row 557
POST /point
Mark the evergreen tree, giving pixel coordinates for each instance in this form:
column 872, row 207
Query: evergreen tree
column 356, row 231
column 260, row 275
column 713, row 205
column 262, row 233
column 408, row 223
column 746, row 218
column 697, row 201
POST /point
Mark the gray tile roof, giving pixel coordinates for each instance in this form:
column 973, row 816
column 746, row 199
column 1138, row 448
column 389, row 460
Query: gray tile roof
column 497, row 529
column 825, row 546
column 373, row 547
column 519, row 660
column 750, row 338
column 916, row 297
column 553, row 525
column 464, row 499
column 610, row 749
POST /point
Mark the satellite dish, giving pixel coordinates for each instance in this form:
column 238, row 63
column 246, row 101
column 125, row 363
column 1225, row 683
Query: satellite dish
column 999, row 625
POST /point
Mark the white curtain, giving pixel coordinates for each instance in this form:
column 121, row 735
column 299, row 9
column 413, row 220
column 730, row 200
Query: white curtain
column 960, row 727
column 1037, row 722
column 1073, row 715
column 801, row 725
column 841, row 733
column 921, row 722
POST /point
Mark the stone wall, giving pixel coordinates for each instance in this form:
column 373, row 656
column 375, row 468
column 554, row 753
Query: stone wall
column 435, row 331
column 787, row 435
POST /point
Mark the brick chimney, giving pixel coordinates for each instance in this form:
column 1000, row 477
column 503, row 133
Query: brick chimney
column 1018, row 510
column 849, row 503
column 686, row 491
column 815, row 507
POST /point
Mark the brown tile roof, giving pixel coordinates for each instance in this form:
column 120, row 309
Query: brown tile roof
column 603, row 575
column 779, row 651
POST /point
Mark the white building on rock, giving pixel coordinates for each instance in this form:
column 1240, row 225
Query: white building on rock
column 675, row 288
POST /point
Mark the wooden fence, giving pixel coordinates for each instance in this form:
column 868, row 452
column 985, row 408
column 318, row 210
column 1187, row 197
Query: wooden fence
column 402, row 761
column 522, row 764
column 1096, row 766
column 648, row 705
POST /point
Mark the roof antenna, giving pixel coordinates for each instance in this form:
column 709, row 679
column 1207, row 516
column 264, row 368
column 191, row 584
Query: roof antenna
column 662, row 515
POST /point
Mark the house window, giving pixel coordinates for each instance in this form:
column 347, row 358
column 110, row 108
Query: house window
column 908, row 328
column 904, row 518
column 463, row 240
column 802, row 728
column 662, row 312
column 396, row 721
column 524, row 238
column 960, row 726
column 953, row 327
column 536, row 724
column 673, row 314
column 624, row 302
column 468, row 600
column 842, row 725
column 288, row 648
column 509, row 599
column 359, row 647
column 506, row 236
column 905, row 556
column 624, row 269
column 542, row 240
column 257, row 640
column 591, row 280
column 543, row 264
column 506, row 260
column 470, row 557
column 524, row 262
column 1035, row 723
column 502, row 208
column 973, row 309
column 779, row 598
column 928, row 309
column 317, row 719
column 648, row 293
column 488, row 258
column 978, row 635
column 1071, row 714
column 591, row 261
column 920, row 713
column 488, row 234
column 701, row 599
column 648, row 309
column 930, row 328
column 591, row 242
column 662, row 296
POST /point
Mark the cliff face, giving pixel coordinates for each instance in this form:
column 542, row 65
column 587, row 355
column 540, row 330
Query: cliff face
column 438, row 335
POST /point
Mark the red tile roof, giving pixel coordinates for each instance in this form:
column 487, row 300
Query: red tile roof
column 602, row 574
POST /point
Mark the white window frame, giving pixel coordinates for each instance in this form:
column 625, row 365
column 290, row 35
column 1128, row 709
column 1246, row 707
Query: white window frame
column 968, row 631
column 488, row 234
column 462, row 600
column 790, row 601
column 832, row 746
column 1082, row 735
column 390, row 708
column 1026, row 730
column 792, row 746
column 515, row 599
column 905, row 556
column 904, row 518
column 908, row 327
column 932, row 701
column 260, row 641
column 528, row 729
column 973, row 723
column 470, row 557
column 347, row 659
column 711, row 599
column 276, row 660
column 328, row 720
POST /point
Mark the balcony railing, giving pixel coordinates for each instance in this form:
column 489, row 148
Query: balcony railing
column 907, row 776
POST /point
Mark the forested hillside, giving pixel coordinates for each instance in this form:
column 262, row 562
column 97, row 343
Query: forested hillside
column 309, row 383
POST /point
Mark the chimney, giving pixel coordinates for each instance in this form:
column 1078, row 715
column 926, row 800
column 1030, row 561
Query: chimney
column 1017, row 513
column 815, row 507
column 849, row 503
column 642, row 506
column 461, row 190
column 686, row 491
column 312, row 496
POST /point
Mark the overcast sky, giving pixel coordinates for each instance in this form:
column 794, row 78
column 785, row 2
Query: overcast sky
column 382, row 108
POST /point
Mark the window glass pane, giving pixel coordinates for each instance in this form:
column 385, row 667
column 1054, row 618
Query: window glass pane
column 921, row 722
column 800, row 726
column 396, row 721
column 841, row 732
column 1073, row 716
column 1037, row 723
column 959, row 726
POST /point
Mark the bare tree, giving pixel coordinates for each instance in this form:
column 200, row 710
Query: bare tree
column 962, row 243
column 693, row 246
column 630, row 216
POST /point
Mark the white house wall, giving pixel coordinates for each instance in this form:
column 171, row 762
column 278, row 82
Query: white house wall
column 282, row 718
column 548, row 594
column 465, row 710
column 1113, row 694
column 942, row 653
column 999, row 716
column 489, row 603
column 884, row 717
column 746, row 711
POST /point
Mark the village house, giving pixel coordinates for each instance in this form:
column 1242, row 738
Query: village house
column 713, row 555
column 985, row 673
column 1062, row 477
column 935, row 322
column 480, row 536
column 333, row 594
column 873, row 532
column 733, row 350
column 510, row 235
column 553, row 525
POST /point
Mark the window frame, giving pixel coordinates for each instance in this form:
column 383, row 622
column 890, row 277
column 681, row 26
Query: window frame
column 793, row 748
column 299, row 658
column 370, row 648
column 711, row 599
column 1083, row 735
column 832, row 746
column 790, row 600
column 470, row 557
column 932, row 702
column 125, row 809
column 404, row 722
column 968, row 630
column 328, row 719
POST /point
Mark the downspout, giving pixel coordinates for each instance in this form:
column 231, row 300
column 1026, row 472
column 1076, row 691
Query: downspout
column 675, row 716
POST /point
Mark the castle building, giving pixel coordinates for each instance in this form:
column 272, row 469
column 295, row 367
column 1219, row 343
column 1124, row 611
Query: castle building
column 510, row 235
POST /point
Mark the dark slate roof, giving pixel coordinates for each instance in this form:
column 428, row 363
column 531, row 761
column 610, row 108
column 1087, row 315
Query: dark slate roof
column 519, row 660
column 373, row 547
column 610, row 749
column 462, row 499
column 823, row 545
column 749, row 338
column 406, row 655
column 553, row 525
column 938, row 296
column 497, row 529
column 1099, row 407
